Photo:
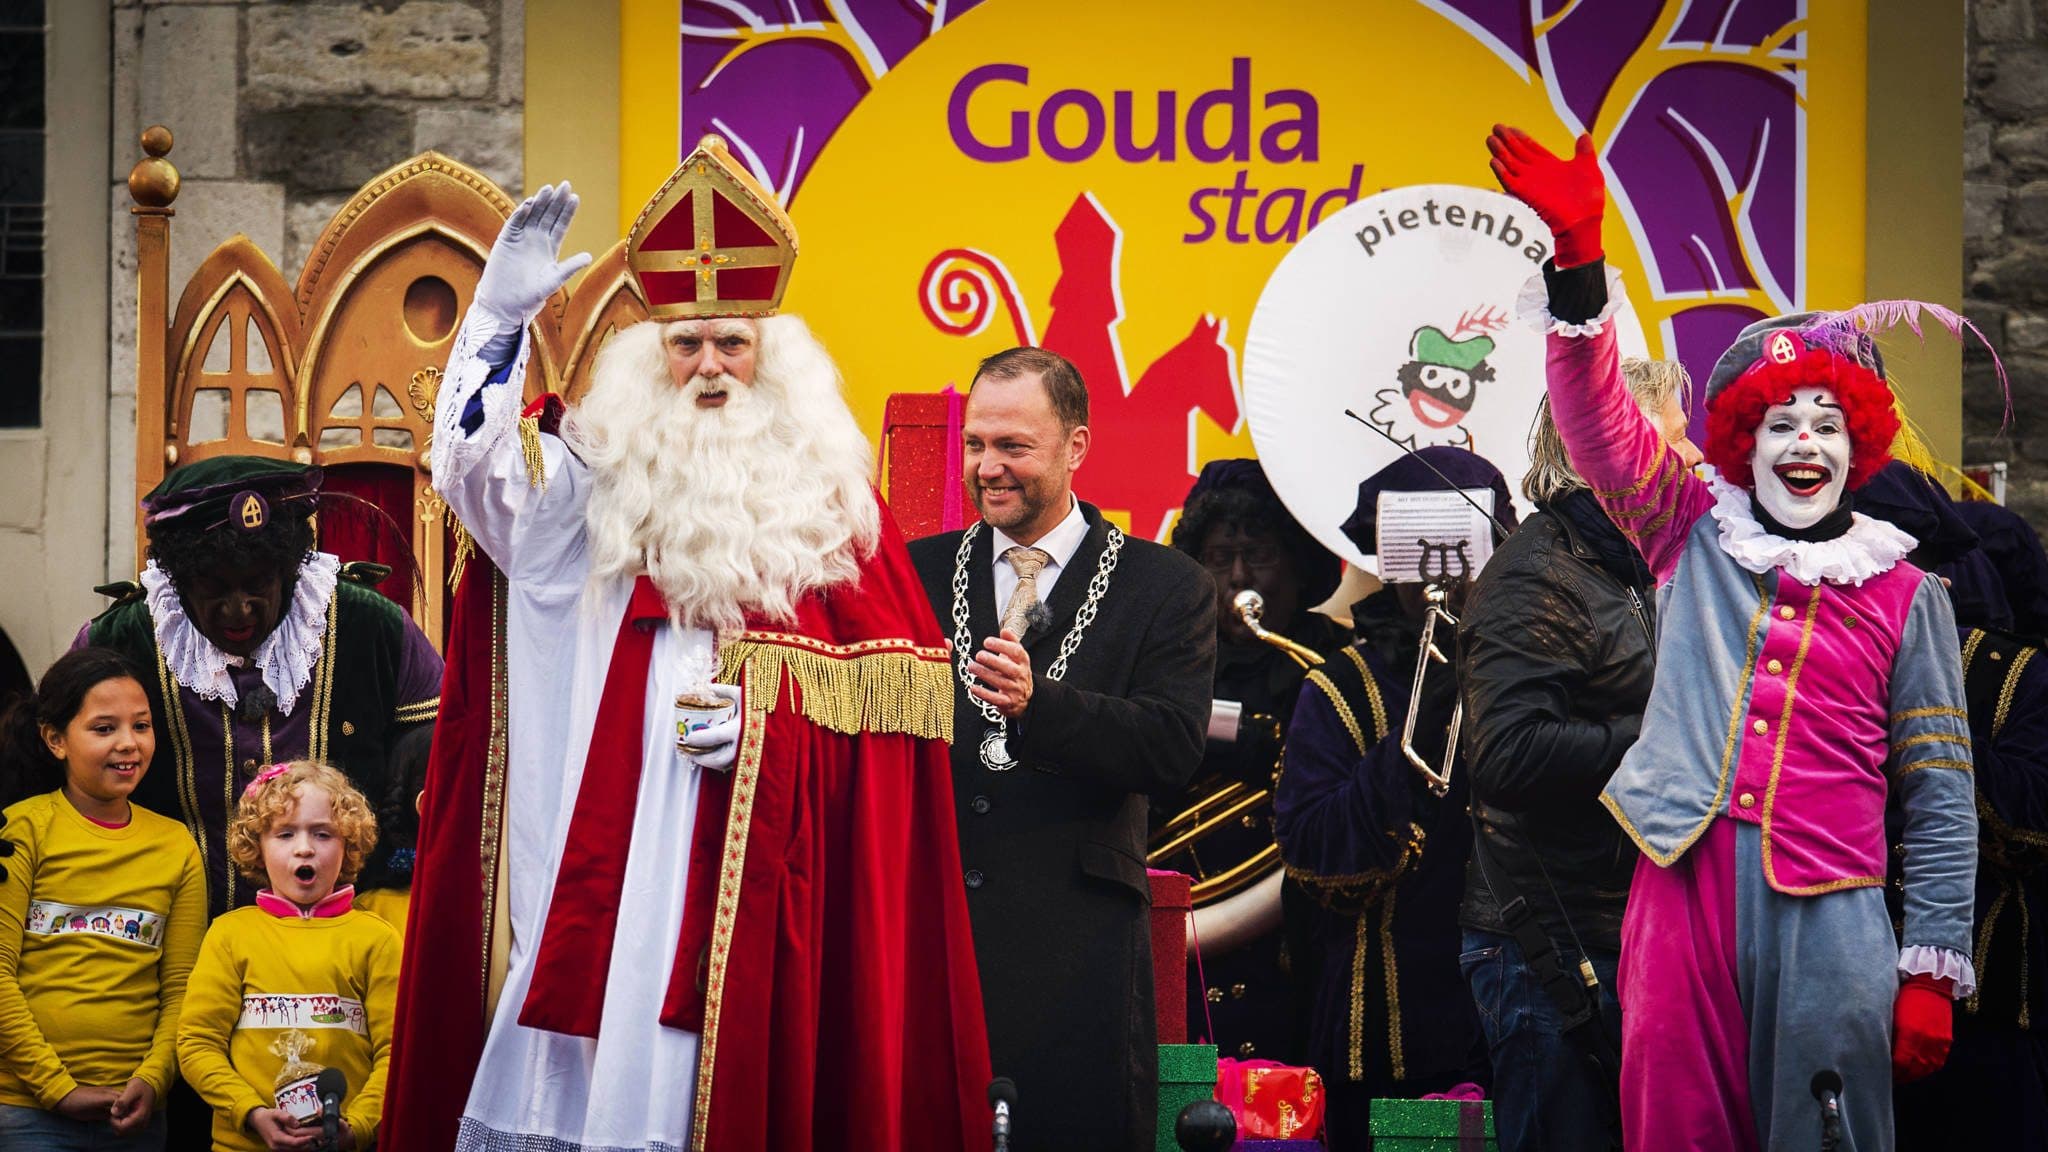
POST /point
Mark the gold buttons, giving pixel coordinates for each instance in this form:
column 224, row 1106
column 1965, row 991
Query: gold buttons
column 1849, row 621
column 1237, row 991
column 1787, row 612
column 249, row 765
column 1747, row 800
column 1775, row 667
column 1214, row 995
column 1760, row 727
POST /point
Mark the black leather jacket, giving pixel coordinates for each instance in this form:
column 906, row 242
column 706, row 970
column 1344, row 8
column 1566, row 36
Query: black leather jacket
column 1555, row 653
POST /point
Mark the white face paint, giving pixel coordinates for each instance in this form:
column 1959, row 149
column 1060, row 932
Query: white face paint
column 1801, row 462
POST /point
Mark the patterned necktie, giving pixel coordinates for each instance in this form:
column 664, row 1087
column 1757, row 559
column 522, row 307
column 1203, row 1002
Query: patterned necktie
column 1027, row 563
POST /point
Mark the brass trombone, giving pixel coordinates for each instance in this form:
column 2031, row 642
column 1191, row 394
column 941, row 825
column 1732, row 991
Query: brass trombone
column 1439, row 779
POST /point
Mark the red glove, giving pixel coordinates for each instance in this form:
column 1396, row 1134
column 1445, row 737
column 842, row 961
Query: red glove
column 1923, row 1023
column 1569, row 195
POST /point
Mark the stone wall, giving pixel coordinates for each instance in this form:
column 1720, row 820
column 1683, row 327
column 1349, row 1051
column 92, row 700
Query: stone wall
column 281, row 109
column 2005, row 242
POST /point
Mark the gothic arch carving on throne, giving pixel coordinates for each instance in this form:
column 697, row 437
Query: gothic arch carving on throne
column 341, row 369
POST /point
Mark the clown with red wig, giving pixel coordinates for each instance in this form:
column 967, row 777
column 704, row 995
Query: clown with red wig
column 1805, row 672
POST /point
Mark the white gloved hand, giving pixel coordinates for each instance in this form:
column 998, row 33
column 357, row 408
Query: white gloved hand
column 522, row 271
column 718, row 746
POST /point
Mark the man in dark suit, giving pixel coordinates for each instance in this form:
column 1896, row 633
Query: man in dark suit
column 1084, row 659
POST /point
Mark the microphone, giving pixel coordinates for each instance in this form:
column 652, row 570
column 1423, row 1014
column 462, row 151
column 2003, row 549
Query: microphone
column 332, row 1085
column 1827, row 1088
column 1002, row 1096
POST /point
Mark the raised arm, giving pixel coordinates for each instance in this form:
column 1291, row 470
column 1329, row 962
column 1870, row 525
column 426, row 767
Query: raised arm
column 523, row 521
column 1639, row 479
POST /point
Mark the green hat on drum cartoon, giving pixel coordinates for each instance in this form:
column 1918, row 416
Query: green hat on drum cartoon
column 1431, row 346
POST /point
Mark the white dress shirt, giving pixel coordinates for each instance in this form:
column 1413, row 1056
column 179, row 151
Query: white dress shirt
column 1061, row 543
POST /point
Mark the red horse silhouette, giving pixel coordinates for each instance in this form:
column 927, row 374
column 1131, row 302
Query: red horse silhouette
column 1143, row 456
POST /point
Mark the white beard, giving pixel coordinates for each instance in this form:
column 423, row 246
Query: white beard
column 731, row 510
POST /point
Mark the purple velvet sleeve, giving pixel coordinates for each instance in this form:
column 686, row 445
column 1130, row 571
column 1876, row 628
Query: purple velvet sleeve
column 419, row 672
column 1639, row 480
column 1337, row 813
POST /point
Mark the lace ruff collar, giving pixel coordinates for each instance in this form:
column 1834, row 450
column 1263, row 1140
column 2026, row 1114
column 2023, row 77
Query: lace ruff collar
column 286, row 657
column 1869, row 548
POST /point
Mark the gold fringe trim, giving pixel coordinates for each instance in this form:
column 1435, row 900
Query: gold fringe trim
column 874, row 686
column 529, row 447
column 465, row 547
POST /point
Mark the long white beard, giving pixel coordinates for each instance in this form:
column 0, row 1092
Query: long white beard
column 731, row 510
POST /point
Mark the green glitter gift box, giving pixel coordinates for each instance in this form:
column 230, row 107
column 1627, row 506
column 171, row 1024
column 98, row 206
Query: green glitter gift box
column 1433, row 1126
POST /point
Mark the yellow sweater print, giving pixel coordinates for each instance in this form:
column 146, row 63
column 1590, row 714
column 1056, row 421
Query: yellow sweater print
column 334, row 978
column 98, row 930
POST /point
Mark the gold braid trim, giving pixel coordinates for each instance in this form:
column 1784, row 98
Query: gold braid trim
column 872, row 686
column 1360, row 951
column 1344, row 714
column 1923, row 713
column 1394, row 1046
column 1380, row 727
column 2011, row 685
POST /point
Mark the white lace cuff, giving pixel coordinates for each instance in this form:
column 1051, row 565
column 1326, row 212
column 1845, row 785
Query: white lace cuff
column 457, row 451
column 1532, row 305
column 1940, row 963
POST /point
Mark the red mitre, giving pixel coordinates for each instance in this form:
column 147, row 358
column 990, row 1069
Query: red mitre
column 712, row 242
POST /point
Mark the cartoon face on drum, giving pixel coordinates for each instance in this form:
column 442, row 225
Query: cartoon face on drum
column 1439, row 383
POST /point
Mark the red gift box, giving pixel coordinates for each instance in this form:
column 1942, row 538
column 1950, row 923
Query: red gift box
column 920, row 464
column 1271, row 1101
column 1171, row 903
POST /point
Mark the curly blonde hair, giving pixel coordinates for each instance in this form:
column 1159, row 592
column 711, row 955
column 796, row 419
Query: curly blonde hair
column 278, row 796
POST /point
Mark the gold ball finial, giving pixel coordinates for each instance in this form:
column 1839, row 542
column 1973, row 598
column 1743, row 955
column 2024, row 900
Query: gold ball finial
column 153, row 182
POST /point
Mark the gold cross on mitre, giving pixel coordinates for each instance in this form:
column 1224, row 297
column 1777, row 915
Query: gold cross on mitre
column 712, row 241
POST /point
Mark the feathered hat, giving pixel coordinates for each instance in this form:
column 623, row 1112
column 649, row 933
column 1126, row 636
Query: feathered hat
column 1771, row 357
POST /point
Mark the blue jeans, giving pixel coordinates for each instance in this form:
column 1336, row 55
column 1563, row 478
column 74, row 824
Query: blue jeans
column 1547, row 1095
column 23, row 1129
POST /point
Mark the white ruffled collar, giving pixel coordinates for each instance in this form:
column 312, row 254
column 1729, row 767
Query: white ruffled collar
column 286, row 657
column 1869, row 548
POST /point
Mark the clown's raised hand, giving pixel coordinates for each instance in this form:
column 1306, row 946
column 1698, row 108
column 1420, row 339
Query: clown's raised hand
column 522, row 271
column 1568, row 193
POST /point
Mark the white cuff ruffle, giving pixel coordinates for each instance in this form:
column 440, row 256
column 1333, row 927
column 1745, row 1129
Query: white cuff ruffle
column 1869, row 548
column 1940, row 963
column 1532, row 306
column 286, row 657
column 455, row 451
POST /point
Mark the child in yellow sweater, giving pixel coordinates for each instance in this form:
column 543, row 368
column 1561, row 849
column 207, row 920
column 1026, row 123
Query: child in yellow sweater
column 100, row 918
column 300, row 959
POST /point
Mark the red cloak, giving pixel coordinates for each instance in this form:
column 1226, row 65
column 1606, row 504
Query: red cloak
column 834, row 983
